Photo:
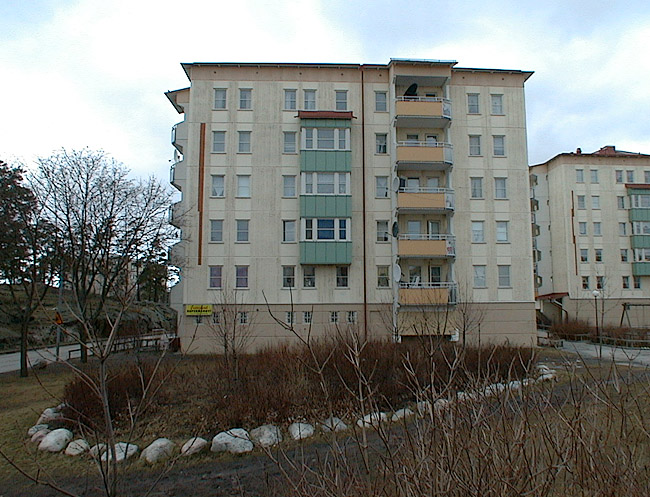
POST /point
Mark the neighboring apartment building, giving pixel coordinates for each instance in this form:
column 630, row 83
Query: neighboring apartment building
column 591, row 236
column 378, row 196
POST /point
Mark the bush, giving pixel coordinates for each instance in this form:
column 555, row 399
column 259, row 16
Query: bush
column 571, row 330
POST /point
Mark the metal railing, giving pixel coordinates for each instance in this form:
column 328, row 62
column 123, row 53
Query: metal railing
column 451, row 286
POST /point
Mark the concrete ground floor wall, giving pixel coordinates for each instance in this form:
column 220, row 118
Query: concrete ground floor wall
column 610, row 311
column 497, row 322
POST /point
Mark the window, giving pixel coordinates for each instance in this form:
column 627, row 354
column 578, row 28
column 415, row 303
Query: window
column 215, row 276
column 352, row 317
column 306, row 317
column 216, row 317
column 218, row 142
column 476, row 187
column 499, row 145
column 641, row 228
column 598, row 255
column 595, row 202
column 245, row 99
column 630, row 176
column 341, row 99
column 288, row 186
column 326, row 138
column 642, row 255
column 325, row 184
column 381, row 143
column 382, row 231
column 217, row 186
column 334, row 316
column 289, row 99
column 623, row 255
column 326, row 229
column 582, row 228
column 478, row 235
column 500, row 188
column 288, row 231
column 585, row 282
column 620, row 202
column 381, row 187
column 584, row 255
column 475, row 145
column 383, row 278
column 646, row 177
column 381, row 101
column 594, row 175
column 637, row 281
column 310, row 99
column 472, row 103
column 288, row 276
column 216, row 230
column 243, row 317
column 309, row 276
column 479, row 277
column 502, row 231
column 342, row 276
column 622, row 229
column 242, row 230
column 241, row 276
column 619, row 176
column 289, row 143
column 243, row 186
column 640, row 201
column 220, row 98
column 597, row 228
column 497, row 104
column 290, row 317
column 580, row 175
column 626, row 282
column 244, row 142
column 600, row 282
column 504, row 276
column 581, row 202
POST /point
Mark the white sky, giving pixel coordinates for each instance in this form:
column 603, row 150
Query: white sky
column 78, row 73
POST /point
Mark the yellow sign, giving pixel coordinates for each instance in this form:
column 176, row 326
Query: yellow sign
column 198, row 310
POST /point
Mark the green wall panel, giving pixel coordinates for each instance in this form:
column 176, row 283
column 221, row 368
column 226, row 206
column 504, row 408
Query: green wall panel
column 325, row 123
column 339, row 161
column 325, row 206
column 641, row 268
column 325, row 252
column 639, row 214
column 640, row 241
column 637, row 191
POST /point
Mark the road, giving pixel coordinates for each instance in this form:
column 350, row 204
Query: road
column 11, row 362
column 622, row 355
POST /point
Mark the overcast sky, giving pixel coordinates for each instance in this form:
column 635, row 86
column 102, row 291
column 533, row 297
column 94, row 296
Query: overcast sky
column 76, row 73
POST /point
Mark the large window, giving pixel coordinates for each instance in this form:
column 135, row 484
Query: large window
column 326, row 138
column 289, row 143
column 215, row 276
column 220, row 98
column 244, row 142
column 289, row 231
column 594, row 175
column 580, row 175
column 242, row 230
column 475, row 145
column 382, row 231
column 342, row 275
column 472, row 103
column 622, row 229
column 383, row 278
column 245, row 99
column 497, row 104
column 243, row 185
column 619, row 176
column 216, row 230
column 640, row 201
column 476, row 187
column 584, row 255
column 641, row 228
column 381, row 187
column 219, row 142
column 479, row 277
column 288, row 186
column 325, row 183
column 598, row 231
column 381, row 143
column 310, row 99
column 499, row 145
column 582, row 228
column 500, row 188
column 630, row 175
column 504, row 276
column 502, row 231
column 309, row 276
column 290, row 99
column 341, row 99
column 241, row 276
column 581, row 202
column 217, row 186
column 478, row 233
column 595, row 202
column 381, row 101
column 288, row 276
column 326, row 229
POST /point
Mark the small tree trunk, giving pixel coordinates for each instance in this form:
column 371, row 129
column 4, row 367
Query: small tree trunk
column 23, row 349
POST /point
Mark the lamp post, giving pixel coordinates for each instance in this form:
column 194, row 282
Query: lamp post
column 596, row 294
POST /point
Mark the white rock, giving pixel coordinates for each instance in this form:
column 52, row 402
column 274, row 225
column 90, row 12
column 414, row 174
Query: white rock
column 56, row 441
column 546, row 377
column 76, row 447
column 423, row 407
column 49, row 415
column 40, row 435
column 97, row 450
column 372, row 419
column 35, row 428
column 159, row 450
column 298, row 431
column 494, row 389
column 514, row 385
column 527, row 381
column 440, row 405
column 401, row 414
column 266, row 435
column 333, row 424
column 235, row 441
column 194, row 446
column 123, row 451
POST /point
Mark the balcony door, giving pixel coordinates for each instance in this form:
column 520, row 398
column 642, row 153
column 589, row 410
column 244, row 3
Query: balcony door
column 435, row 274
column 434, row 227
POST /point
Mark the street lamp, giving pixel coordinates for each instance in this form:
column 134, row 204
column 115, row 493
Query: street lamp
column 596, row 294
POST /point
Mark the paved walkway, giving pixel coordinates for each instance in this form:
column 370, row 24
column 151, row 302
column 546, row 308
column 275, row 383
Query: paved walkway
column 638, row 357
column 11, row 362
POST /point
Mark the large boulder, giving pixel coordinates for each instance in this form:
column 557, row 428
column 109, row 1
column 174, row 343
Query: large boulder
column 372, row 419
column 50, row 415
column 55, row 441
column 235, row 441
column 40, row 435
column 159, row 450
column 298, row 431
column 194, row 446
column 36, row 428
column 401, row 414
column 77, row 447
column 97, row 450
column 123, row 451
column 333, row 424
column 266, row 435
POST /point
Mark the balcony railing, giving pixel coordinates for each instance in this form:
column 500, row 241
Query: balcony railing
column 410, row 152
column 428, row 293
column 179, row 135
column 422, row 112
column 425, row 198
column 426, row 245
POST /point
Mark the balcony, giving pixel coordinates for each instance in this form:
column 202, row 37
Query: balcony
column 422, row 112
column 428, row 294
column 175, row 215
column 426, row 246
column 426, row 155
column 177, row 175
column 425, row 199
column 179, row 135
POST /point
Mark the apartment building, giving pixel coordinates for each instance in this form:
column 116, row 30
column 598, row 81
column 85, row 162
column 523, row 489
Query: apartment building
column 383, row 197
column 591, row 236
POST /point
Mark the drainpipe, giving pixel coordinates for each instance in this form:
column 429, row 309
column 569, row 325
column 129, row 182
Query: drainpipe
column 363, row 195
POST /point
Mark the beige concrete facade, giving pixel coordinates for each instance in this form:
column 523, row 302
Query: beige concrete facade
column 407, row 197
column 585, row 239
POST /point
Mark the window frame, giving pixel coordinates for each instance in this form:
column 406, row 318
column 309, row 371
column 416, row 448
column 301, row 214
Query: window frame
column 381, row 148
column 288, row 276
column 219, row 146
column 383, row 278
column 378, row 102
column 309, row 103
column 223, row 103
column 289, row 145
column 383, row 236
column 286, row 224
column 309, row 276
column 245, row 99
column 504, row 280
column 501, row 188
column 244, row 142
column 496, row 104
column 473, row 103
column 214, row 188
column 287, row 188
column 499, row 149
column 476, row 187
column 342, row 276
column 382, row 190
column 215, row 277
column 475, row 146
column 242, row 232
column 501, row 228
column 341, row 104
column 292, row 103
column 477, row 277
column 216, row 228
column 478, row 236
column 241, row 277
column 243, row 190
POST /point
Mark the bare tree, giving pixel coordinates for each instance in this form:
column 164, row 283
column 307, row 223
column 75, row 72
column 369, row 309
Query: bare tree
column 468, row 314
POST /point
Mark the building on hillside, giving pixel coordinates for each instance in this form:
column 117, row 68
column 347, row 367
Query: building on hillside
column 386, row 197
column 591, row 236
